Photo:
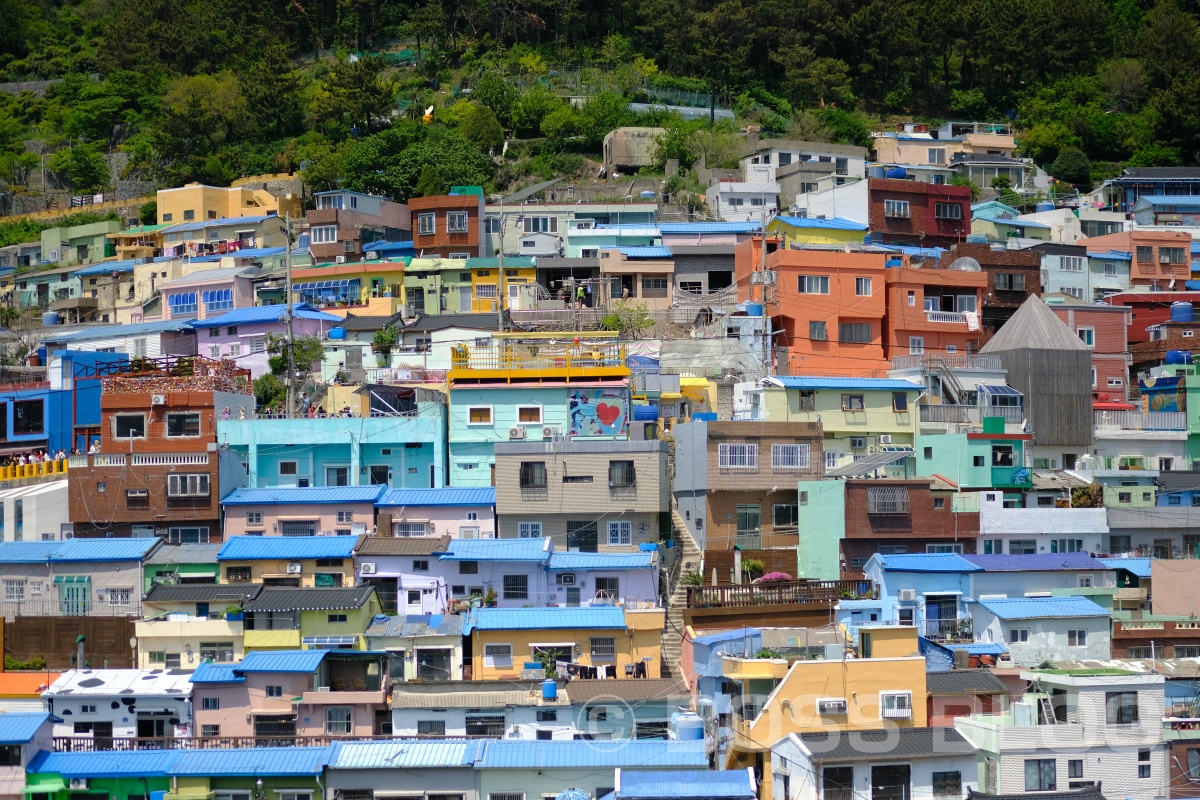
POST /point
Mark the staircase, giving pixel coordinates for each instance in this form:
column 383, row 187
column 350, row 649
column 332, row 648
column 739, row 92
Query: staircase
column 950, row 385
column 677, row 601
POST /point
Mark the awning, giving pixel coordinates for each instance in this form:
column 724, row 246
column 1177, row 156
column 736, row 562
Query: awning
column 48, row 787
column 24, row 447
column 868, row 464
column 1003, row 390
column 311, row 286
column 61, row 579
column 325, row 640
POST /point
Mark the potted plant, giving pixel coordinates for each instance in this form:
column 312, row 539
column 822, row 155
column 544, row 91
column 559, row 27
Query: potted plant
column 489, row 599
column 691, row 578
column 752, row 568
column 234, row 614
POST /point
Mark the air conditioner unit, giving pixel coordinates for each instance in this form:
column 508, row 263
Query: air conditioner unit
column 1164, row 259
column 516, row 433
column 293, row 569
column 340, row 260
column 549, row 432
column 565, row 579
column 832, row 706
column 367, row 568
column 373, row 255
column 885, row 438
column 907, row 595
column 158, row 399
column 77, row 783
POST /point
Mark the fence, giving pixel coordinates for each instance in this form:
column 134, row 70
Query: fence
column 1141, row 420
column 934, row 361
column 778, row 593
column 10, row 609
column 970, row 415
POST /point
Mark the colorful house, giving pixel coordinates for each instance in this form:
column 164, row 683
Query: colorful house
column 288, row 561
column 816, row 230
column 22, row 735
column 292, row 511
column 241, row 334
column 182, row 564
column 342, row 287
column 209, row 292
column 125, row 776
column 325, row 618
column 486, row 282
column 420, row 647
column 189, row 624
column 991, row 459
column 98, row 706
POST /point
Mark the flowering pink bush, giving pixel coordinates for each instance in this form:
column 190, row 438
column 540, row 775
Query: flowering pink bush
column 771, row 577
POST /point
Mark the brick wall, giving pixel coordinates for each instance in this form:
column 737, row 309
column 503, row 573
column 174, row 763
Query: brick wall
column 1000, row 304
column 923, row 519
column 921, row 226
column 1109, row 353
column 764, row 435
column 721, row 514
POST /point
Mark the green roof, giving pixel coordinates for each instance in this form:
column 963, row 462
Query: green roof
column 145, row 229
column 475, row 190
column 510, row 262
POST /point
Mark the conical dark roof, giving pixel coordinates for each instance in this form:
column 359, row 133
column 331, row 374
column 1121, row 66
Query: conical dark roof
column 1033, row 327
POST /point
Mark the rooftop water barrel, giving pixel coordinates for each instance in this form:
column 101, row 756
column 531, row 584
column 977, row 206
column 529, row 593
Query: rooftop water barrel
column 1044, row 206
column 876, row 171
column 1182, row 312
column 49, row 318
column 754, row 309
column 899, row 173
column 549, row 689
column 688, row 727
column 337, row 333
column 1178, row 357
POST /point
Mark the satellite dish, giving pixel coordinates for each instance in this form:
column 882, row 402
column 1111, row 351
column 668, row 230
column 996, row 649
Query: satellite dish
column 965, row 264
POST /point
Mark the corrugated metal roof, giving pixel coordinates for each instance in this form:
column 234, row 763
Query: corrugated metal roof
column 291, row 495
column 282, row 548
column 208, row 672
column 1116, row 255
column 19, row 728
column 281, row 661
column 834, row 224
column 117, row 331
column 1141, row 567
column 694, row 250
column 264, row 315
column 896, row 743
column 709, row 227
column 201, row 593
column 492, row 262
column 730, row 784
column 185, row 554
column 252, row 761
column 1043, row 607
column 1170, row 199
column 593, row 561
column 1035, row 562
column 639, row 691
column 1012, row 223
column 928, row 562
column 524, row 754
column 107, row 267
column 206, row 275
column 649, row 251
column 249, row 252
column 734, row 635
column 187, row 227
column 107, row 764
column 76, row 550
column 29, row 552
column 964, row 681
column 131, row 682
column 535, row 619
column 405, row 754
column 287, row 598
column 814, row 382
column 978, row 648
column 498, row 550
column 448, row 496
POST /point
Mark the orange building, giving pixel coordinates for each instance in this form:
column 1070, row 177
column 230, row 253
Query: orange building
column 828, row 302
column 932, row 310
column 449, row 226
column 1161, row 259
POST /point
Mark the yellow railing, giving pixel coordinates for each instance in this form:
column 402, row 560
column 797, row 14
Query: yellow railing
column 37, row 470
column 521, row 357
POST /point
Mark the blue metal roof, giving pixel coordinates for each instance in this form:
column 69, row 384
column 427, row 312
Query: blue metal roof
column 288, row 495
column 726, row 636
column 923, row 252
column 285, row 548
column 114, row 331
column 834, row 224
column 927, row 562
column 814, row 382
column 250, row 761
column 107, row 268
column 448, row 496
column 249, row 252
column 597, row 561
column 1138, row 566
column 208, row 672
column 187, row 227
column 405, row 754
column 20, row 728
column 1043, row 607
column 525, row 754
column 281, row 661
column 29, row 552
column 107, row 764
column 264, row 315
column 977, row 648
column 1013, row 223
column 1171, row 199
column 1035, row 562
column 709, row 227
column 653, row 251
column 388, row 247
column 76, row 550
column 497, row 550
column 537, row 619
column 1114, row 255
column 728, row 784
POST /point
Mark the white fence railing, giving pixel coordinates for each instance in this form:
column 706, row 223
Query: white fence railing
column 1141, row 420
column 168, row 459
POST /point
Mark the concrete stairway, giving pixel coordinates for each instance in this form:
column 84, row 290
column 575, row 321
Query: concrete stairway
column 677, row 601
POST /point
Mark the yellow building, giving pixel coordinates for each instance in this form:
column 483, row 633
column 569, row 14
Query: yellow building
column 141, row 241
column 196, row 202
column 615, row 639
column 276, row 560
column 346, row 288
column 485, row 282
column 881, row 686
column 811, row 230
column 279, row 619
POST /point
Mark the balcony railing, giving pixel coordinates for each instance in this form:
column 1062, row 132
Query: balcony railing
column 168, row 459
column 513, row 357
column 948, row 630
column 970, row 415
column 932, row 361
column 69, row 608
column 1141, row 420
column 951, row 317
column 895, row 713
column 89, row 744
column 778, row 593
column 1012, row 477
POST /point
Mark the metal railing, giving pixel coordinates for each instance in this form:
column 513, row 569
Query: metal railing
column 69, row 608
column 1012, row 477
column 970, row 415
column 1141, row 420
column 779, row 593
column 168, row 459
column 524, row 357
column 90, row 744
column 953, row 317
column 931, row 361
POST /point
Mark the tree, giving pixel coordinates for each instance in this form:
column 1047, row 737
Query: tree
column 269, row 392
column 148, row 213
column 534, row 104
column 391, row 162
column 962, row 180
column 483, row 128
column 82, row 165
column 430, row 183
column 847, row 127
column 1071, row 166
column 305, row 350
column 1001, row 182
column 1124, row 80
column 354, row 95
column 495, row 93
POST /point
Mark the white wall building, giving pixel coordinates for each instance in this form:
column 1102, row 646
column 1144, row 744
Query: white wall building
column 756, row 195
column 122, row 703
column 1039, row 530
column 1039, row 629
column 848, row 202
column 34, row 512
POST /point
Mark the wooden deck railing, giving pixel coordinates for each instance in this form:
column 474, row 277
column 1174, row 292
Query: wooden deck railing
column 779, row 593
column 100, row 744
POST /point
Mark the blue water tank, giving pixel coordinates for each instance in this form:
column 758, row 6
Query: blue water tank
column 337, row 333
column 876, row 171
column 1178, row 357
column 49, row 319
column 1182, row 312
column 897, row 172
column 688, row 727
column 549, row 689
column 754, row 309
column 1044, row 206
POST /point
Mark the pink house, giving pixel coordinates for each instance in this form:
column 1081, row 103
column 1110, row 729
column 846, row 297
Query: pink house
column 308, row 511
column 286, row 693
column 241, row 334
column 460, row 513
column 208, row 293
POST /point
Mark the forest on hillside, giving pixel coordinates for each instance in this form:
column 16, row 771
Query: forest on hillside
column 211, row 89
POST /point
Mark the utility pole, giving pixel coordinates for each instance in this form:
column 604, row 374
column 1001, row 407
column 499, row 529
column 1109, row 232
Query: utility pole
column 287, row 300
column 766, row 336
column 500, row 260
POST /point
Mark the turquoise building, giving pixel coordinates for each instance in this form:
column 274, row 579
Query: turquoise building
column 987, row 460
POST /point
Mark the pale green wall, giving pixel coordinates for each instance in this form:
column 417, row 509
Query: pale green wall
column 822, row 527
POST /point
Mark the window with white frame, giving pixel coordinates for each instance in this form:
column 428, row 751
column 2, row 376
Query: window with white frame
column 790, row 456
column 529, row 530
column 456, row 222
column 896, row 208
column 1077, row 637
column 862, row 287
column 497, row 655
column 1087, row 335
column 516, row 587
column 324, row 234
column 603, row 647
column 338, row 720
column 486, row 291
column 737, row 456
column 831, row 459
column 1073, row 291
column 479, row 415
column 408, row 529
column 1071, row 263
column 426, row 224
column 916, row 345
column 345, row 516
column 539, row 225
column 1110, row 270
column 812, row 284
column 895, row 705
column 14, row 591
column 620, row 532
column 182, row 485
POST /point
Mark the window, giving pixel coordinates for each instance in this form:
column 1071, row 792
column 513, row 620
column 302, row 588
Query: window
column 486, row 291
column 479, row 415
column 529, row 530
column 335, row 618
column 916, row 345
column 237, row 574
column 887, row 500
column 854, row 332
column 338, row 720
column 603, row 647
column 274, row 691
column 1077, row 638
column 1018, row 635
column 497, row 655
column 790, row 456
column 1124, row 497
column 1071, row 263
column 895, row 705
column 14, row 591
column 737, row 456
column 324, row 234
column 749, row 519
column 1121, row 708
column 853, row 402
column 1144, row 763
column 812, row 284
column 1115, row 383
column 210, row 704
column 219, row 652
column 183, row 303
column 431, row 727
column 421, row 565
column 516, row 587
column 28, row 417
column 1040, row 775
column 187, row 485
column 621, row 474
column 345, row 517
column 183, row 424
column 817, row 331
column 529, row 415
column 1087, row 336
column 900, row 402
column 1010, row 281
column 620, row 532
column 1075, row 768
column 862, row 287
column 426, row 224
column 831, row 459
column 896, row 208
column 838, row 783
column 210, row 730
column 947, row 211
column 1022, row 547
column 654, row 287
column 937, row 155
column 533, row 475
column 456, row 222
column 1172, row 255
column 947, row 784
column 1110, row 270
column 1066, row 545
column 468, row 568
column 130, row 426
column 785, row 515
column 608, row 587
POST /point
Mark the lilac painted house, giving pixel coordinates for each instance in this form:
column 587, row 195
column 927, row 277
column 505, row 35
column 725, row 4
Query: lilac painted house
column 241, row 334
column 209, row 293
